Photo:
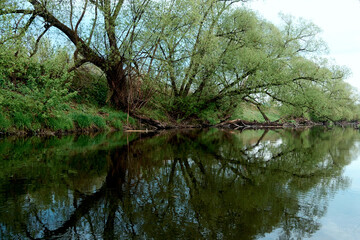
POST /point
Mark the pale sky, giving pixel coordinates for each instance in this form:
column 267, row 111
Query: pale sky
column 339, row 20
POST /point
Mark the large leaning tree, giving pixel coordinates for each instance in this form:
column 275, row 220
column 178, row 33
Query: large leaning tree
column 110, row 34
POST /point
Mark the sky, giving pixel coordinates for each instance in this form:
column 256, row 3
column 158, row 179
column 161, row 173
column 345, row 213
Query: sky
column 339, row 20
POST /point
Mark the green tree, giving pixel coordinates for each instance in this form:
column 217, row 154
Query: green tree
column 197, row 55
column 216, row 56
column 105, row 33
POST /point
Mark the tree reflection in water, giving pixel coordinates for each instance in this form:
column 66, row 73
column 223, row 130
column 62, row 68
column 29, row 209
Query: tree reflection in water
column 188, row 185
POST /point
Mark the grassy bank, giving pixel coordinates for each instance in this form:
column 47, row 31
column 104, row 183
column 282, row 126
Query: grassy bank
column 249, row 112
column 28, row 114
column 39, row 95
column 77, row 118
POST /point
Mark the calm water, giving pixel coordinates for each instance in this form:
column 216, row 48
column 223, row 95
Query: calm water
column 201, row 184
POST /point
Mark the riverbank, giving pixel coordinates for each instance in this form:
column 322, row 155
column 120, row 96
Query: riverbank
column 109, row 120
column 294, row 123
column 78, row 118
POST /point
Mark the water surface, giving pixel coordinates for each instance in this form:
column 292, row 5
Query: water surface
column 198, row 184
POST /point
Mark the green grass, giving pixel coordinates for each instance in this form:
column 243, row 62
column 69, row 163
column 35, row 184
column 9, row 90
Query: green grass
column 117, row 119
column 154, row 113
column 46, row 97
column 80, row 116
column 60, row 123
column 22, row 120
column 5, row 123
column 99, row 121
column 116, row 124
column 210, row 116
column 81, row 119
column 249, row 112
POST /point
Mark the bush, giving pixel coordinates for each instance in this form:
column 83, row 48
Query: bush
column 22, row 120
column 4, row 123
column 91, row 85
column 35, row 92
column 99, row 121
column 60, row 123
column 117, row 124
column 82, row 120
column 33, row 86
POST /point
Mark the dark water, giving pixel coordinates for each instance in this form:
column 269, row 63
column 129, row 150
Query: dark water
column 182, row 185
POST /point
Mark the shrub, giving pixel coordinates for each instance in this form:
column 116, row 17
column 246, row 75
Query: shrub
column 117, row 118
column 60, row 123
column 82, row 120
column 22, row 120
column 91, row 85
column 99, row 121
column 117, row 124
column 33, row 86
column 4, row 122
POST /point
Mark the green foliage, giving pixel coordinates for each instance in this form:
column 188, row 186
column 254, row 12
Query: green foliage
column 117, row 119
column 210, row 115
column 91, row 85
column 242, row 57
column 22, row 120
column 201, row 58
column 35, row 93
column 5, row 123
column 249, row 112
column 81, row 119
column 116, row 123
column 33, row 89
column 184, row 107
column 154, row 113
column 85, row 120
column 63, row 122
column 99, row 121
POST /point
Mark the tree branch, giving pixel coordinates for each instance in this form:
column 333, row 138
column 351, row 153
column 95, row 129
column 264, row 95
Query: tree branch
column 78, row 64
column 38, row 40
column 83, row 48
column 94, row 23
column 117, row 9
column 81, row 17
column 16, row 11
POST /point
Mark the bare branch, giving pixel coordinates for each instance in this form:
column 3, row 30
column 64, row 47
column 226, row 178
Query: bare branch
column 71, row 14
column 81, row 17
column 78, row 64
column 22, row 31
column 38, row 40
column 94, row 23
column 17, row 11
column 118, row 8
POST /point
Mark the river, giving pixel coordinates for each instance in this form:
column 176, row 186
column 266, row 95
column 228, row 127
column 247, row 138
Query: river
column 185, row 184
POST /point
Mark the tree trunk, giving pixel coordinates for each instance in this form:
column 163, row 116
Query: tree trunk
column 117, row 81
column 263, row 114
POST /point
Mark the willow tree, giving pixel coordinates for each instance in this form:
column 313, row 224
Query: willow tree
column 107, row 33
column 196, row 48
column 216, row 55
column 93, row 28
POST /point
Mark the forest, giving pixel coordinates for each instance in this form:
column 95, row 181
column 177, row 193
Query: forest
column 101, row 64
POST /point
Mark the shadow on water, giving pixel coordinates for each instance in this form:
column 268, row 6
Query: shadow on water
column 198, row 184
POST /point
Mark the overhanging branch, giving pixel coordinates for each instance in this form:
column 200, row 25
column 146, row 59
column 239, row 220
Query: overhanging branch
column 16, row 11
column 83, row 48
